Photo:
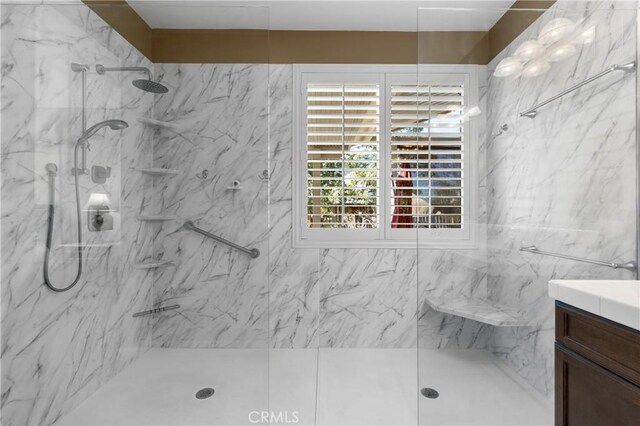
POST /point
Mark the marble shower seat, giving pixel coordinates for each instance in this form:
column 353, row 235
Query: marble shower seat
column 478, row 310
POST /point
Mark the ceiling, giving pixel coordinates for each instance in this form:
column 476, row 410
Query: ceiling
column 321, row 15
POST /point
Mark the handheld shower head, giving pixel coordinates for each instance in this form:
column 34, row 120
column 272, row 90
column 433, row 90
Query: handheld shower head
column 112, row 124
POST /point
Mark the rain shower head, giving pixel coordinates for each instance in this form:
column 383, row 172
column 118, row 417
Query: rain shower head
column 148, row 85
column 112, row 124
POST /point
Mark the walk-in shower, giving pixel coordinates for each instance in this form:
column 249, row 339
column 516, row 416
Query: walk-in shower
column 327, row 217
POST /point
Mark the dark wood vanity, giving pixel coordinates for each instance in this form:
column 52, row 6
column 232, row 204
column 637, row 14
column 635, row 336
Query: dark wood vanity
column 597, row 370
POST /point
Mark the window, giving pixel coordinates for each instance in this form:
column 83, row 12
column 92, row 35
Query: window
column 383, row 156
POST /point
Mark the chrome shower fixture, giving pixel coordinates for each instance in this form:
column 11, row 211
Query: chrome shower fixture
column 148, row 85
column 113, row 125
column 52, row 171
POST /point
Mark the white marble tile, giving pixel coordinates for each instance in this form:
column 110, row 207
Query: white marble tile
column 222, row 292
column 315, row 297
column 368, row 298
column 58, row 348
column 560, row 181
column 293, row 273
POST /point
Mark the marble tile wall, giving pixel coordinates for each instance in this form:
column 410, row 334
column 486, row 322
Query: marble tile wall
column 564, row 181
column 221, row 116
column 289, row 297
column 58, row 348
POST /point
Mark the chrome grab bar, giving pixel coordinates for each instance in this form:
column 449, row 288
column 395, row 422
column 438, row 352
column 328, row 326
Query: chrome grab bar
column 533, row 111
column 155, row 311
column 253, row 252
column 631, row 265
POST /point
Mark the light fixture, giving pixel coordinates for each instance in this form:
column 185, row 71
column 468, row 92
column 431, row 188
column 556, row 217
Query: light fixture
column 507, row 67
column 561, row 52
column 536, row 68
column 555, row 30
column 529, row 50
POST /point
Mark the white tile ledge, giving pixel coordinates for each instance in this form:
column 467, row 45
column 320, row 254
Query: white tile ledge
column 478, row 310
column 616, row 300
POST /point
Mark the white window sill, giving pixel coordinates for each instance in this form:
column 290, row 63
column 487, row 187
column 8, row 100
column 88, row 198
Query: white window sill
column 387, row 244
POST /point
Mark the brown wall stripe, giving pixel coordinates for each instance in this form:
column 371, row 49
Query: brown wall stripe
column 522, row 14
column 339, row 47
column 126, row 22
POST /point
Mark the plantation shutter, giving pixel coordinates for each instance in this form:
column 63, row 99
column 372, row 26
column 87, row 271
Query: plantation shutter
column 343, row 155
column 427, row 156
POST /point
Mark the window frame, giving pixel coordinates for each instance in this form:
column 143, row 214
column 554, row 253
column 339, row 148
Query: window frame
column 384, row 236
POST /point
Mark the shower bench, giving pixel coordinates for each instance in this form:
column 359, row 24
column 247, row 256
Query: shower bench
column 480, row 310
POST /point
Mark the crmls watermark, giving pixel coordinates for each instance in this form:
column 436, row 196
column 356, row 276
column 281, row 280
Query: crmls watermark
column 274, row 417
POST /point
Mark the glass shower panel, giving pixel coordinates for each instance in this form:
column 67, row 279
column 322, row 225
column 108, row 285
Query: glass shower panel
column 365, row 292
column 294, row 295
column 198, row 153
column 59, row 117
column 216, row 133
column 498, row 178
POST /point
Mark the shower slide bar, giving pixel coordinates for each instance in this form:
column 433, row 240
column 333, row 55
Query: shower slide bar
column 155, row 311
column 631, row 265
column 533, row 111
column 253, row 252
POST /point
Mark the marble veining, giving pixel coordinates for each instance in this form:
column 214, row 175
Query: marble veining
column 560, row 181
column 58, row 348
column 289, row 297
column 223, row 293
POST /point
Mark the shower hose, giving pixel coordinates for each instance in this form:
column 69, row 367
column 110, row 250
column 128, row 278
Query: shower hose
column 52, row 170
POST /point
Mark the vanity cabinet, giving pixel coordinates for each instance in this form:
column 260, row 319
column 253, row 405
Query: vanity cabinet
column 597, row 377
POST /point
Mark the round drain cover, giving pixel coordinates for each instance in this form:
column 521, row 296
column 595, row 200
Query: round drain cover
column 205, row 393
column 429, row 393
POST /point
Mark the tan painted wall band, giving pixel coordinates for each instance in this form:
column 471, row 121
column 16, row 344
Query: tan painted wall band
column 336, row 47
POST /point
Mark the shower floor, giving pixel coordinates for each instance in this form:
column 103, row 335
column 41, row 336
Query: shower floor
column 324, row 387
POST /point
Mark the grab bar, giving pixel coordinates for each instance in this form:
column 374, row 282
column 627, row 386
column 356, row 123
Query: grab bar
column 533, row 111
column 631, row 265
column 253, row 252
column 155, row 311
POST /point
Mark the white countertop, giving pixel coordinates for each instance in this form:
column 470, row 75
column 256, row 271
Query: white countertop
column 616, row 300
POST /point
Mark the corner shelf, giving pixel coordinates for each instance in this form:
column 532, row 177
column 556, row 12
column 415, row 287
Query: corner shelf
column 156, row 217
column 158, row 124
column 158, row 171
column 478, row 310
column 153, row 264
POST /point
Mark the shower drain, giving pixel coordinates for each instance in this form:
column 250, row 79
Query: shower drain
column 429, row 393
column 205, row 393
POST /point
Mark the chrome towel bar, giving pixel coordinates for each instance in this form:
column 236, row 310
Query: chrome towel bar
column 253, row 252
column 155, row 311
column 532, row 112
column 631, row 266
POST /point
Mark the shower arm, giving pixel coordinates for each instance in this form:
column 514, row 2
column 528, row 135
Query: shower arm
column 100, row 69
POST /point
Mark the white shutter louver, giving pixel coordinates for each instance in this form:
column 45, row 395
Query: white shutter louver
column 427, row 148
column 343, row 155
